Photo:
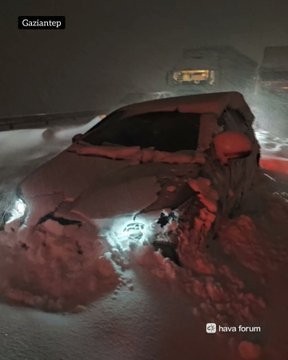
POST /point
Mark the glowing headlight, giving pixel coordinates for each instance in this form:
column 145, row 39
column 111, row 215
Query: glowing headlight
column 125, row 231
column 17, row 211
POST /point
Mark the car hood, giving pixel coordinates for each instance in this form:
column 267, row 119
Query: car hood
column 98, row 187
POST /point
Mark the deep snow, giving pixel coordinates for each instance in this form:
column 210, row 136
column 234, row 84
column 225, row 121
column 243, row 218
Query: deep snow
column 153, row 309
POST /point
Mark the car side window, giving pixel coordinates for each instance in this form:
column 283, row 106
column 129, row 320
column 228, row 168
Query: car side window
column 165, row 131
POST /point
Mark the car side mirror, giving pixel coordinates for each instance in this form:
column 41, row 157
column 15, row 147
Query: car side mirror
column 231, row 145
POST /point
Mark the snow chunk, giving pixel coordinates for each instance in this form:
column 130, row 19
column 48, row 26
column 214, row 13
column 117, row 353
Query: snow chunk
column 171, row 188
column 138, row 155
column 242, row 240
column 12, row 226
column 159, row 266
column 54, row 227
column 249, row 350
column 112, row 152
column 206, row 194
column 44, row 268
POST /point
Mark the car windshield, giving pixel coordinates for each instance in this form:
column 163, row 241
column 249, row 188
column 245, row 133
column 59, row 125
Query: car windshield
column 164, row 131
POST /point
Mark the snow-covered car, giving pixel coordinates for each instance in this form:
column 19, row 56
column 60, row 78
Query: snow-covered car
column 145, row 172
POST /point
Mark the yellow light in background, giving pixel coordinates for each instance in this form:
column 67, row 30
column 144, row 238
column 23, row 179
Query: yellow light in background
column 195, row 76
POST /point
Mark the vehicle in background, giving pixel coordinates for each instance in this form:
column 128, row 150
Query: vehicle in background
column 207, row 69
column 271, row 91
column 193, row 76
column 147, row 173
column 273, row 71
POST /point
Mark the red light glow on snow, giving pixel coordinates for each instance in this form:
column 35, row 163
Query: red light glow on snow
column 278, row 165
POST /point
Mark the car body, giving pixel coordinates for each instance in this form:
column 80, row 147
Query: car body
column 145, row 171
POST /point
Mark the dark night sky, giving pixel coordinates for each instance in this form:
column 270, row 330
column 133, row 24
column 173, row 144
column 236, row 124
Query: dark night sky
column 113, row 47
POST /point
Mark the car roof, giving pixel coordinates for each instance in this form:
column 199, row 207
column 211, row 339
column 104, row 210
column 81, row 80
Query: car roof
column 214, row 103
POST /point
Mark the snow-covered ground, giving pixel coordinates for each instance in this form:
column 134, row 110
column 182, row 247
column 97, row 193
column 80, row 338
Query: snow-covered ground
column 272, row 145
column 154, row 309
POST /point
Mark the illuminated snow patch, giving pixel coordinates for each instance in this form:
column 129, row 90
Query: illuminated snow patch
column 126, row 231
column 272, row 144
column 18, row 210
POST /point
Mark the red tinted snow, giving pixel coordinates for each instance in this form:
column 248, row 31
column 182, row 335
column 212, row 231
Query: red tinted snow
column 275, row 164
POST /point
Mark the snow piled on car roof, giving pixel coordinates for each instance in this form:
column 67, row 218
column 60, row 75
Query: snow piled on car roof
column 214, row 103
